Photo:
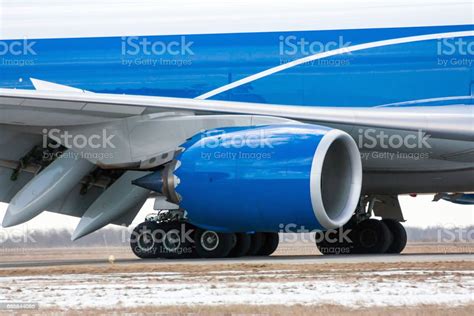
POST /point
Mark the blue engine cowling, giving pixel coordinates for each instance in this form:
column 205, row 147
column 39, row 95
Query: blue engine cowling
column 264, row 178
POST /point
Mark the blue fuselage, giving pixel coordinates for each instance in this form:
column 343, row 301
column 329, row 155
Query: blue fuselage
column 440, row 71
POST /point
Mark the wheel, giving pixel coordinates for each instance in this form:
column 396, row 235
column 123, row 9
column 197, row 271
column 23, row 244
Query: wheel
column 269, row 245
column 372, row 236
column 256, row 242
column 242, row 245
column 336, row 242
column 142, row 242
column 176, row 240
column 211, row 244
column 171, row 240
column 399, row 236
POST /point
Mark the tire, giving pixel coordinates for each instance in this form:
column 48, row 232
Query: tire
column 162, row 240
column 343, row 243
column 178, row 241
column 399, row 236
column 270, row 244
column 256, row 242
column 210, row 244
column 142, row 242
column 242, row 245
column 372, row 236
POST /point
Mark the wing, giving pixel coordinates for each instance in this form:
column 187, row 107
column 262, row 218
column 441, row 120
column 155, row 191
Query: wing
column 43, row 108
column 143, row 133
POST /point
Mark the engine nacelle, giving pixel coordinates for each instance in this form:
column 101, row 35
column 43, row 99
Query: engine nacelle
column 263, row 178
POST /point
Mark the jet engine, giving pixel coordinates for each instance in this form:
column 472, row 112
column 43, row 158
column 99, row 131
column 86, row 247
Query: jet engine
column 263, row 178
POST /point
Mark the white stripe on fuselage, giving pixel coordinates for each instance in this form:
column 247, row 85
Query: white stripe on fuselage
column 424, row 101
column 33, row 19
column 331, row 53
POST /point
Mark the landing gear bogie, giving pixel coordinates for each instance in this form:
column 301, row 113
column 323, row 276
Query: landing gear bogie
column 174, row 239
column 370, row 236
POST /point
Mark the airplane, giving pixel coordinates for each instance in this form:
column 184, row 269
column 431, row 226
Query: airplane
column 457, row 198
column 241, row 119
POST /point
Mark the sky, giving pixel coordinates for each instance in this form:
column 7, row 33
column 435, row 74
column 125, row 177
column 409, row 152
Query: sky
column 419, row 212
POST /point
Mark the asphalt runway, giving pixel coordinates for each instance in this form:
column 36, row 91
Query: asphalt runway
column 303, row 259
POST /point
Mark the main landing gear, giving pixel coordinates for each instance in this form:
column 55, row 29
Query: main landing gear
column 370, row 236
column 364, row 235
column 177, row 239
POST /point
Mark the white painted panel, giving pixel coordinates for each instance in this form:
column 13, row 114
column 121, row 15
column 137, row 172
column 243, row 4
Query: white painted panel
column 89, row 18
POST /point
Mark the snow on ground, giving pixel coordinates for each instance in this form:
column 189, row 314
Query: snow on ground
column 353, row 289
